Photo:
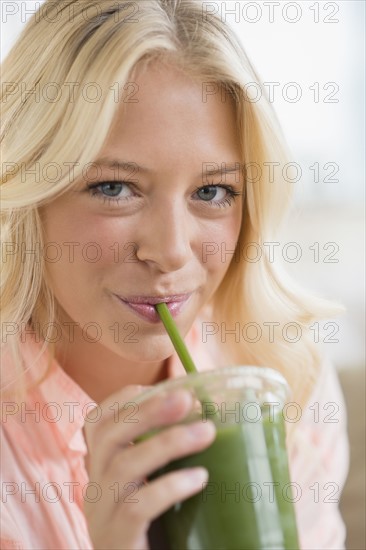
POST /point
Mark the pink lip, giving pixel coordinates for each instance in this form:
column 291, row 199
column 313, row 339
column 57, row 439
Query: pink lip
column 155, row 299
column 143, row 305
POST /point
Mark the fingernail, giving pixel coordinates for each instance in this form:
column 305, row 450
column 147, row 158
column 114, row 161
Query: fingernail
column 197, row 475
column 199, row 429
column 174, row 397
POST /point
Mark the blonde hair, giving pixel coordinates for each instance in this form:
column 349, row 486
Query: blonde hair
column 66, row 47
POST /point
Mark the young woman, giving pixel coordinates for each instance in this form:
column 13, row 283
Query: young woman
column 134, row 165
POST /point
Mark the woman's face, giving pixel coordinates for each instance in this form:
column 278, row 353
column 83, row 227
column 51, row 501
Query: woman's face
column 160, row 224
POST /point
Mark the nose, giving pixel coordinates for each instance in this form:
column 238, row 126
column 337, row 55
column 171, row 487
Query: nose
column 164, row 238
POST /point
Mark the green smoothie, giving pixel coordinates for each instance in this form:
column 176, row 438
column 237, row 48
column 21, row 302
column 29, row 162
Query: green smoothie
column 246, row 503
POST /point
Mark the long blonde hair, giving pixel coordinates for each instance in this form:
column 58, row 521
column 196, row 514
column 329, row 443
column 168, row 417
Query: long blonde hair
column 69, row 50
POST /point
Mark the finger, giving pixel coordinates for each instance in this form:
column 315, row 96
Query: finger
column 147, row 456
column 123, row 394
column 109, row 405
column 159, row 495
column 138, row 419
column 109, row 410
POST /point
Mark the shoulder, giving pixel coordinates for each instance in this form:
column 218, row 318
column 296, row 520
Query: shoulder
column 23, row 364
column 11, row 533
column 11, row 537
column 322, row 423
column 319, row 461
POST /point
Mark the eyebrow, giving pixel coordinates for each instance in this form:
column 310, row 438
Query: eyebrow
column 123, row 164
column 226, row 168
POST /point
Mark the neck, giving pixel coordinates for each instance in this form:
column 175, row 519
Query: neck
column 100, row 372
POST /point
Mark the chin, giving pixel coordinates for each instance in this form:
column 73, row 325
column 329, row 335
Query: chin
column 145, row 352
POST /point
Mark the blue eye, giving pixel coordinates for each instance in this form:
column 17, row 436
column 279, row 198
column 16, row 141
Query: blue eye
column 115, row 192
column 207, row 193
column 225, row 194
column 111, row 191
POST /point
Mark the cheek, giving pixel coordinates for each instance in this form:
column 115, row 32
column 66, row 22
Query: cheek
column 82, row 249
column 217, row 250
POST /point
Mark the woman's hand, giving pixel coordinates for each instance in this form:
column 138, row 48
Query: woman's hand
column 122, row 516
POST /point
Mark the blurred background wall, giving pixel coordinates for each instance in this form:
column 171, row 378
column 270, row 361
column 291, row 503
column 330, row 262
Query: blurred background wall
column 311, row 58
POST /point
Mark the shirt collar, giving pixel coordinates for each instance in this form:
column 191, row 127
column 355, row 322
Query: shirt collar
column 59, row 401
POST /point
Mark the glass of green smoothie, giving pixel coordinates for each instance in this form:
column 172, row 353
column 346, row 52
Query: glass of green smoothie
column 247, row 501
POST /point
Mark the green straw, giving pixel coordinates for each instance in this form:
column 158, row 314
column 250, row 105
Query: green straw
column 180, row 347
column 177, row 340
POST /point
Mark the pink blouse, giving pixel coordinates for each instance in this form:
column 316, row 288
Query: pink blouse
column 44, row 480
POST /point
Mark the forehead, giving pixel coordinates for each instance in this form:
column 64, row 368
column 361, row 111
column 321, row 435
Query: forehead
column 169, row 117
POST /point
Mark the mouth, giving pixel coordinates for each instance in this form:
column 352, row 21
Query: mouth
column 143, row 306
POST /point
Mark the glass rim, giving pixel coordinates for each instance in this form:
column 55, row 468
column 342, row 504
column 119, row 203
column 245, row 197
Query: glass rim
column 264, row 373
